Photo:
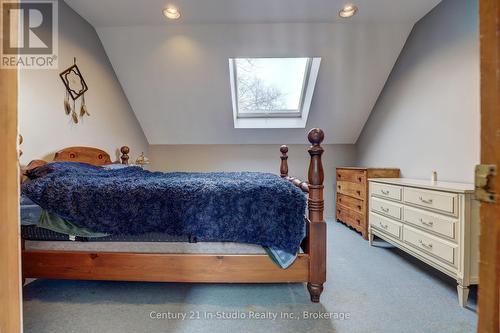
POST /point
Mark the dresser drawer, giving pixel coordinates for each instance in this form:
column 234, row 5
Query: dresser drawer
column 384, row 224
column 351, row 175
column 352, row 189
column 440, row 201
column 386, row 191
column 354, row 204
column 438, row 248
column 350, row 217
column 385, row 207
column 433, row 222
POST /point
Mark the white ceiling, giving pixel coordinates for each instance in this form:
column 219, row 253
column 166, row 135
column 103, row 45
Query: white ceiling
column 106, row 13
column 176, row 76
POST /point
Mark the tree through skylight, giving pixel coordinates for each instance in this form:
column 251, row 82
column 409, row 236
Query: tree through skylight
column 266, row 85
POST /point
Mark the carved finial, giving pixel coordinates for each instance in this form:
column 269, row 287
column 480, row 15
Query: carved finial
column 284, row 162
column 124, row 150
column 316, row 176
column 316, row 136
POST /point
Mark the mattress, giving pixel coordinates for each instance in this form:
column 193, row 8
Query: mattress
column 35, row 233
column 37, row 238
column 41, row 238
column 147, row 247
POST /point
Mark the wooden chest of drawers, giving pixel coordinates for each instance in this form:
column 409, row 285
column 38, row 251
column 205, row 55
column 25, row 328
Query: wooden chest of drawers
column 436, row 222
column 352, row 195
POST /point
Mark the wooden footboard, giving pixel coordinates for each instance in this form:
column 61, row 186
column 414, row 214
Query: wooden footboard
column 309, row 267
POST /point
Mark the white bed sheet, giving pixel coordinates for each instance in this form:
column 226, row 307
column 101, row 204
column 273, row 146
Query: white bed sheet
column 147, row 247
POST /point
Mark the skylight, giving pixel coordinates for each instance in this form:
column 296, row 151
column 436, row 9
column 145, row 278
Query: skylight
column 272, row 92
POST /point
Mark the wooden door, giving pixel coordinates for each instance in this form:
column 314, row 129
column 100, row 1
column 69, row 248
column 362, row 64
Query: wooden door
column 10, row 286
column 10, row 279
column 489, row 275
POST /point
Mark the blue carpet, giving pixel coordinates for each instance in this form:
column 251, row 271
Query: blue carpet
column 369, row 289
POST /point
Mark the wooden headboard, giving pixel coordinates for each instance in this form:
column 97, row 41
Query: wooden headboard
column 90, row 155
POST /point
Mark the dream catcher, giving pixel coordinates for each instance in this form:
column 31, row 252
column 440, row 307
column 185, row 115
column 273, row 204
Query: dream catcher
column 75, row 88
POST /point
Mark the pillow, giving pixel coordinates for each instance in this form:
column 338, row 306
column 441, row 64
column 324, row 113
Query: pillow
column 37, row 169
column 115, row 166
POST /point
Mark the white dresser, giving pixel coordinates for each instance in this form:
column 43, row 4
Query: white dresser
column 436, row 222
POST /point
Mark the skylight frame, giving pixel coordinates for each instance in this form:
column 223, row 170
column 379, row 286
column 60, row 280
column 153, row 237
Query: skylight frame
column 279, row 118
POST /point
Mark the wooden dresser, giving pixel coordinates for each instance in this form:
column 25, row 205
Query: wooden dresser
column 436, row 222
column 352, row 195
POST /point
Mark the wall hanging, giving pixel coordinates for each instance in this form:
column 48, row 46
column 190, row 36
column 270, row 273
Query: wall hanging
column 75, row 88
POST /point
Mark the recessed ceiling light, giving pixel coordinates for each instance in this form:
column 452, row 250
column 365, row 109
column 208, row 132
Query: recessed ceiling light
column 171, row 13
column 348, row 11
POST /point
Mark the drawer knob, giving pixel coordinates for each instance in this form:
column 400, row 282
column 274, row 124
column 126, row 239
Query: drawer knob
column 360, row 179
column 385, row 192
column 425, row 245
column 429, row 224
column 385, row 210
column 426, row 201
column 385, row 226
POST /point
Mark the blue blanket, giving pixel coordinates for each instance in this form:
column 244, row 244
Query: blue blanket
column 245, row 207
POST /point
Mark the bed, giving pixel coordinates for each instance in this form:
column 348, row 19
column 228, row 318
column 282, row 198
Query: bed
column 184, row 260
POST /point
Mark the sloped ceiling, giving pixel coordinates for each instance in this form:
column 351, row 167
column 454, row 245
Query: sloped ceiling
column 176, row 75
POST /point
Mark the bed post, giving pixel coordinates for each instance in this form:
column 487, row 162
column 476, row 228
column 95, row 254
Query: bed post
column 124, row 157
column 316, row 231
column 284, row 162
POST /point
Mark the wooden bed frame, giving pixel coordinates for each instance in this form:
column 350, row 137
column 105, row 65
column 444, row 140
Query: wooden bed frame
column 309, row 267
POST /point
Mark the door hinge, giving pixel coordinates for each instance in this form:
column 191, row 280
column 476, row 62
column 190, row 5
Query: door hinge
column 484, row 175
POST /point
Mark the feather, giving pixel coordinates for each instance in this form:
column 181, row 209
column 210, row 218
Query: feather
column 74, row 116
column 82, row 110
column 67, row 106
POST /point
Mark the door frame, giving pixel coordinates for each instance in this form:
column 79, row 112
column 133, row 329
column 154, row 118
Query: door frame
column 489, row 271
column 10, row 246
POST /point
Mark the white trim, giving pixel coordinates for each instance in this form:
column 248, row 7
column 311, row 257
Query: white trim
column 276, row 122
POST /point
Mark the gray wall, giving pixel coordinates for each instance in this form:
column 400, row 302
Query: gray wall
column 264, row 158
column 427, row 117
column 42, row 120
column 176, row 76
